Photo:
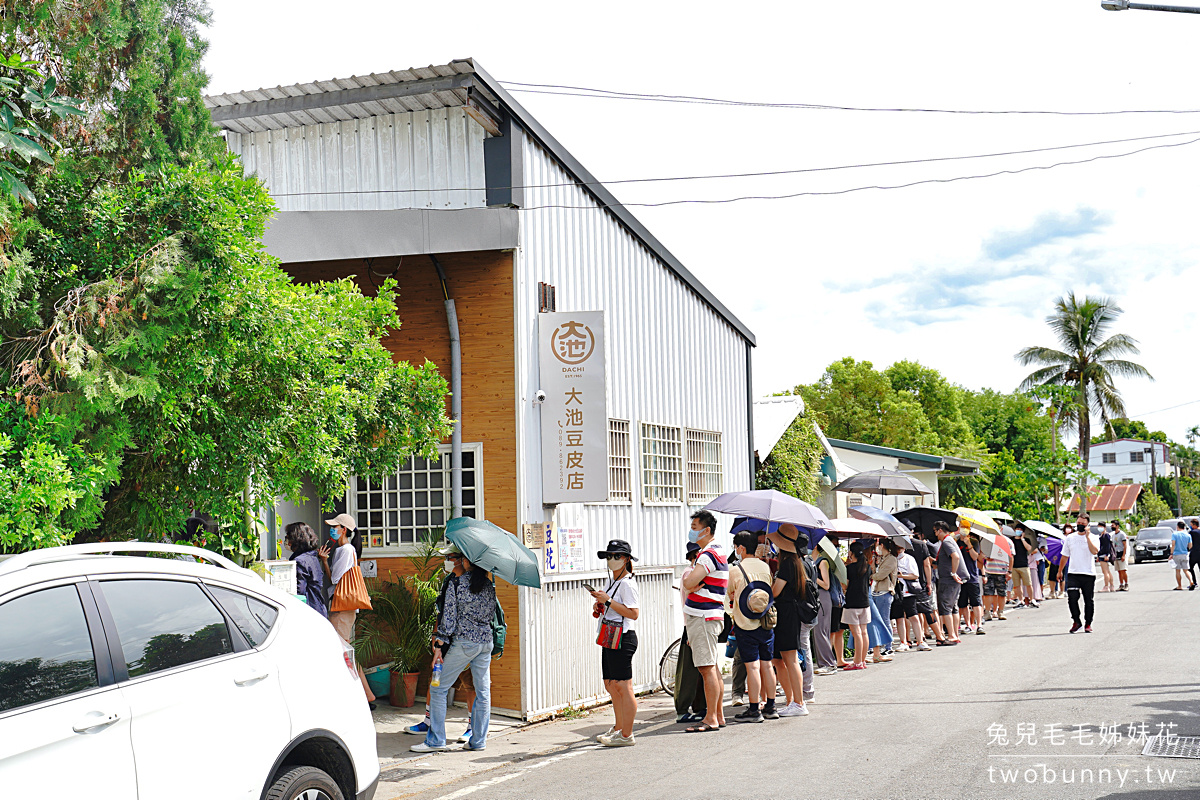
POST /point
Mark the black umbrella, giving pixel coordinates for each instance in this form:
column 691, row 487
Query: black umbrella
column 882, row 481
column 924, row 517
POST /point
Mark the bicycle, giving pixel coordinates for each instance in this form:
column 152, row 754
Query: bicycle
column 666, row 666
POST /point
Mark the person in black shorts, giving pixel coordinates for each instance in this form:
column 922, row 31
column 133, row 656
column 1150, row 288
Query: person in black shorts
column 970, row 599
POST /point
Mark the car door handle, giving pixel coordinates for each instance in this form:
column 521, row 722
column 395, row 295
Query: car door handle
column 251, row 677
column 94, row 720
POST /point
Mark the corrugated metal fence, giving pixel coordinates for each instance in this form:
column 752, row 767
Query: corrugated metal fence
column 560, row 658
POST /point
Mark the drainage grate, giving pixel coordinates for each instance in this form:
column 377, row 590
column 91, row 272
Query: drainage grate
column 1172, row 746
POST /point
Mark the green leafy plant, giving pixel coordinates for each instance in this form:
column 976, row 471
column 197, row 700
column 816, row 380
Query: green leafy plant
column 26, row 98
column 401, row 623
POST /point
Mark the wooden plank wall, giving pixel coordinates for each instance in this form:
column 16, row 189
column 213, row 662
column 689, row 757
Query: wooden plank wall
column 481, row 285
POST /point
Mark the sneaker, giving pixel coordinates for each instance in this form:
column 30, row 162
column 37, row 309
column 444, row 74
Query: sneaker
column 825, row 671
column 1087, row 629
column 979, row 632
column 1034, row 604
column 790, row 710
column 1001, row 617
column 771, row 712
column 466, row 737
column 923, row 646
column 1075, row 627
column 420, row 729
column 421, row 747
column 617, row 740
column 901, row 648
column 749, row 715
column 600, row 736
column 469, row 748
column 739, row 700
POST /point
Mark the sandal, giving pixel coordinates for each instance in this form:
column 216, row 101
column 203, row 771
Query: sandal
column 702, row 729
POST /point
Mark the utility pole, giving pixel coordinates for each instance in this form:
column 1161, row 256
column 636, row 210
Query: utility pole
column 1178, row 497
column 1153, row 471
column 1054, row 455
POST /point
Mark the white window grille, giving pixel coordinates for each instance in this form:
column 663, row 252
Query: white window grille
column 620, row 462
column 1108, row 458
column 662, row 464
column 1137, row 457
column 705, row 469
column 400, row 508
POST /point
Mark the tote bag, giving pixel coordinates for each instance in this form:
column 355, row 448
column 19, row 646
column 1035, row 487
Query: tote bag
column 350, row 594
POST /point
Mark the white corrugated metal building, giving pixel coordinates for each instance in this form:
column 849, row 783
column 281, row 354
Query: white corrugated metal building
column 407, row 173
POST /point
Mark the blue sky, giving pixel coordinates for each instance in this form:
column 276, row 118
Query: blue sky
column 956, row 275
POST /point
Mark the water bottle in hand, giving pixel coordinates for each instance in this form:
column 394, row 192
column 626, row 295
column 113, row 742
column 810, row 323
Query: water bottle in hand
column 436, row 678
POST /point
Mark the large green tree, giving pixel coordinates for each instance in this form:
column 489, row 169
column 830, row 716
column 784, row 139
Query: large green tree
column 156, row 360
column 854, row 401
column 1090, row 360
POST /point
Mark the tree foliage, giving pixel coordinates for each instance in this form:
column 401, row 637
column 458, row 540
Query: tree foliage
column 794, row 463
column 1121, row 428
column 157, row 361
column 1090, row 361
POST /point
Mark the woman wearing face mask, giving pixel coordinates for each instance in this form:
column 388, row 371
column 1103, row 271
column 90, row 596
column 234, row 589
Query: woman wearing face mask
column 617, row 609
column 463, row 640
column 343, row 560
column 884, row 576
column 454, row 566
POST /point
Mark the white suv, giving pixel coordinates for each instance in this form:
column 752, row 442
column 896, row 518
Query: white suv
column 132, row 676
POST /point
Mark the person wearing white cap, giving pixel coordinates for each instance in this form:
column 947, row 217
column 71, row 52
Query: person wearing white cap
column 344, row 559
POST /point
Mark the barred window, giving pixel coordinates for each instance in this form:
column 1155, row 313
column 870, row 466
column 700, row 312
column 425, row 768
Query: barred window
column 1137, row 457
column 705, row 469
column 662, row 464
column 1108, row 458
column 620, row 463
column 399, row 508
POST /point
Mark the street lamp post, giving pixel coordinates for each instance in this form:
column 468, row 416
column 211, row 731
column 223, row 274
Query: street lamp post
column 1125, row 5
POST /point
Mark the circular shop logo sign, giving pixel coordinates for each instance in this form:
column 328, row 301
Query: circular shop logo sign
column 572, row 343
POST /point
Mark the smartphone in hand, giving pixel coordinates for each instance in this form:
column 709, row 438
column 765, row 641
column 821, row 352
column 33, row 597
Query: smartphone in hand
column 588, row 587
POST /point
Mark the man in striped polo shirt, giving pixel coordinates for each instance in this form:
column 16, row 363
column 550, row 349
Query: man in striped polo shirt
column 704, row 614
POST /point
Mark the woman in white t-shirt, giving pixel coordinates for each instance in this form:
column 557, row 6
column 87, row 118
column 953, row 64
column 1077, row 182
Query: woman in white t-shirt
column 617, row 608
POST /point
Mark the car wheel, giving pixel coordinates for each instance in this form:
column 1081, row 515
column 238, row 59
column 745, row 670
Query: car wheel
column 305, row 783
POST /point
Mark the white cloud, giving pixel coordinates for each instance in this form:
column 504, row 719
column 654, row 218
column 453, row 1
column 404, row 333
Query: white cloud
column 847, row 275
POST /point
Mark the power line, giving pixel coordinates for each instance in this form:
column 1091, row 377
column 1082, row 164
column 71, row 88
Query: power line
column 609, row 94
column 1169, row 408
column 865, row 188
column 770, row 173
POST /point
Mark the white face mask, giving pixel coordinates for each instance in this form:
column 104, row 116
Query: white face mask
column 448, row 566
column 615, row 564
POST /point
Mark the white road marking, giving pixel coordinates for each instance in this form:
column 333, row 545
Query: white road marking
column 482, row 785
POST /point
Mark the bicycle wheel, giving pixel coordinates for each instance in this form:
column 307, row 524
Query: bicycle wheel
column 666, row 667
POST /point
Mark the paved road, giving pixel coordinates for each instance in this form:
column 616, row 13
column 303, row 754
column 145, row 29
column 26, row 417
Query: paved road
column 927, row 725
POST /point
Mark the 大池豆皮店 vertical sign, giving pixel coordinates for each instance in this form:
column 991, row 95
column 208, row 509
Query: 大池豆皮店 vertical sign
column 575, row 411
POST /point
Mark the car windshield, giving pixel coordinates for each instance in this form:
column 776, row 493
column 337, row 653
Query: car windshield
column 1153, row 533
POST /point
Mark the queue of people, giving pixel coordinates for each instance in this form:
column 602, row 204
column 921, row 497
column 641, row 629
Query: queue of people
column 844, row 608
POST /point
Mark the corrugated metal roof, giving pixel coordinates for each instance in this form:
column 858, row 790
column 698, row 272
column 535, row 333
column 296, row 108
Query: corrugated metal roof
column 461, row 83
column 1109, row 497
column 455, row 97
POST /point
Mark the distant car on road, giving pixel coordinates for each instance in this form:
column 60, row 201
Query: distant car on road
column 1151, row 543
column 131, row 676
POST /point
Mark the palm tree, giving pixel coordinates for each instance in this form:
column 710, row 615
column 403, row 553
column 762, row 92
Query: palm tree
column 1193, row 433
column 1088, row 361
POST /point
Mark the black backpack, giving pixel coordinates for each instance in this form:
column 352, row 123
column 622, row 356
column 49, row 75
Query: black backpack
column 810, row 601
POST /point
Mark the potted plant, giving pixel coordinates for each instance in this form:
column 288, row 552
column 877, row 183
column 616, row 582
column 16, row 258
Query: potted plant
column 400, row 626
